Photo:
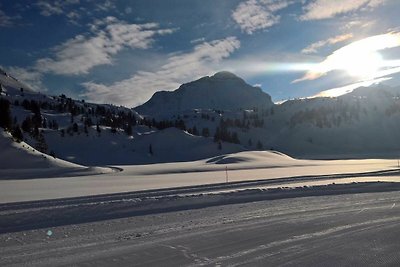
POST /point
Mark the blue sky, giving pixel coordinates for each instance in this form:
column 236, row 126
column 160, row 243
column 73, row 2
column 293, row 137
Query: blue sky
column 121, row 52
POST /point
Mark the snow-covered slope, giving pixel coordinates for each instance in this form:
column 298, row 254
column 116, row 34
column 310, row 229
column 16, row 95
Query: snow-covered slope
column 168, row 145
column 223, row 91
column 363, row 123
column 20, row 160
column 10, row 84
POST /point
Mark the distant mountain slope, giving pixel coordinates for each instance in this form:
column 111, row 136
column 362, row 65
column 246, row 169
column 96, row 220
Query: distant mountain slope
column 223, row 91
column 10, row 84
column 205, row 118
column 168, row 145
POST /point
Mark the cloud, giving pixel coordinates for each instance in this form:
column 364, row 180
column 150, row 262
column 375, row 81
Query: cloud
column 50, row 8
column 198, row 40
column 254, row 15
column 105, row 6
column 80, row 54
column 324, row 9
column 179, row 68
column 338, row 91
column 360, row 58
column 5, row 20
column 313, row 48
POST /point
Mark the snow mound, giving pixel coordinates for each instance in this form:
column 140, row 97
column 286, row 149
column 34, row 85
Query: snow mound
column 251, row 157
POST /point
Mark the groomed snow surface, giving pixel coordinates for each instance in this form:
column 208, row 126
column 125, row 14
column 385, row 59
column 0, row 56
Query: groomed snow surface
column 24, row 172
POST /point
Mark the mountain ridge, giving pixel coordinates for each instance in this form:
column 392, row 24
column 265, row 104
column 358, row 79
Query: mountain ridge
column 223, row 90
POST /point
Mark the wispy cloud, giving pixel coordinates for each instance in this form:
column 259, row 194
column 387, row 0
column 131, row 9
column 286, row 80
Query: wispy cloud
column 338, row 91
column 198, row 40
column 360, row 56
column 57, row 7
column 81, row 53
column 106, row 6
column 179, row 68
column 5, row 20
column 324, row 9
column 313, row 48
column 254, row 15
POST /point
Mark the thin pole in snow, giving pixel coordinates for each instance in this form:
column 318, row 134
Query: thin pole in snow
column 226, row 172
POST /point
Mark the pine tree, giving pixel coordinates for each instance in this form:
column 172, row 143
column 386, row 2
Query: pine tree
column 235, row 138
column 195, row 131
column 5, row 114
column 259, row 145
column 217, row 135
column 128, row 129
column 205, row 132
column 27, row 125
column 17, row 133
column 41, row 144
column 75, row 127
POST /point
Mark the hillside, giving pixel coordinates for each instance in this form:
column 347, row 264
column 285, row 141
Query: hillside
column 222, row 91
column 195, row 122
column 20, row 160
column 98, row 134
column 360, row 124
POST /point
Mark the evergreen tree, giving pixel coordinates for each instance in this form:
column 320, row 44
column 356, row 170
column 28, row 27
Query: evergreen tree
column 217, row 135
column 27, row 125
column 75, row 127
column 205, row 132
column 128, row 129
column 195, row 131
column 259, row 145
column 5, row 114
column 41, row 144
column 235, row 138
column 17, row 133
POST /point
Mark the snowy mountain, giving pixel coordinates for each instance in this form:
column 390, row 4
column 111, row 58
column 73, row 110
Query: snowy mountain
column 209, row 117
column 96, row 134
column 222, row 91
column 363, row 123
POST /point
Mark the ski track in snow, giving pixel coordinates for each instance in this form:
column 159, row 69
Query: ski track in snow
column 308, row 231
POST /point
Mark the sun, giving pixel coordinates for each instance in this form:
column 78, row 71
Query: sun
column 362, row 65
column 360, row 59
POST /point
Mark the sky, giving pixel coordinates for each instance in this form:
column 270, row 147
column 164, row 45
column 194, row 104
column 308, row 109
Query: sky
column 123, row 51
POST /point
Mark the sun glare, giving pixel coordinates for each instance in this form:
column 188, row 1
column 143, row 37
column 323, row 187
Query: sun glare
column 363, row 66
column 360, row 59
